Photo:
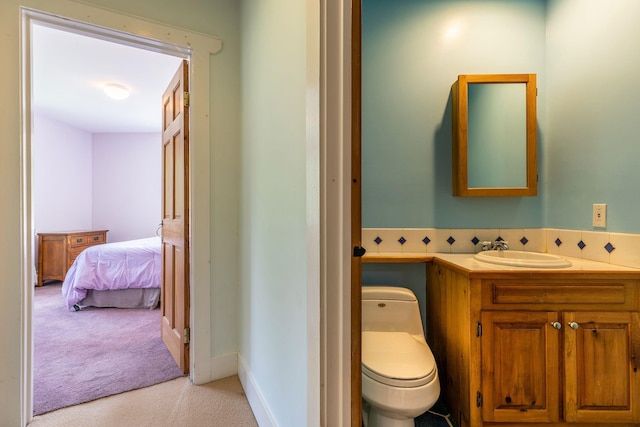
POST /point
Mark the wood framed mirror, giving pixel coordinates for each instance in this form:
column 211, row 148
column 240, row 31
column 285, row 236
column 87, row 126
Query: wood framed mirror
column 494, row 135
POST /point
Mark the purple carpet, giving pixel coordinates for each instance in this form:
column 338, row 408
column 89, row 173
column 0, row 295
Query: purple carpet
column 93, row 353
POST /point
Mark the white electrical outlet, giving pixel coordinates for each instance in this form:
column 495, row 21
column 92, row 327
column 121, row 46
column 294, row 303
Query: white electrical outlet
column 599, row 215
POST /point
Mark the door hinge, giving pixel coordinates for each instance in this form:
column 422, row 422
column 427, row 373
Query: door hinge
column 186, row 99
column 478, row 329
column 479, row 399
column 186, row 335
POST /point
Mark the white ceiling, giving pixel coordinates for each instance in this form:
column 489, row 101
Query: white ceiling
column 69, row 71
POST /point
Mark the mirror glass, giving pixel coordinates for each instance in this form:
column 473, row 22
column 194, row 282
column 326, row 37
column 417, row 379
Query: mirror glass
column 494, row 135
column 497, row 135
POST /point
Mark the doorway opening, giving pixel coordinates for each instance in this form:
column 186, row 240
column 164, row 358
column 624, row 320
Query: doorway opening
column 105, row 25
column 96, row 168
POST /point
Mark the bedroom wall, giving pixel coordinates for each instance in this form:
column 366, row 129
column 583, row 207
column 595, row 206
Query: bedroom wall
column 127, row 181
column 62, row 178
column 88, row 181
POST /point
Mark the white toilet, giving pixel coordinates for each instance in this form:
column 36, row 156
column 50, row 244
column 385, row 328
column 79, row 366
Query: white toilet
column 399, row 373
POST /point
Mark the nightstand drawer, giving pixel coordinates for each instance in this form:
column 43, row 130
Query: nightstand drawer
column 77, row 240
column 95, row 239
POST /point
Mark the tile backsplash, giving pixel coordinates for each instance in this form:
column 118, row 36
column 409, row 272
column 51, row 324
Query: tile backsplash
column 613, row 248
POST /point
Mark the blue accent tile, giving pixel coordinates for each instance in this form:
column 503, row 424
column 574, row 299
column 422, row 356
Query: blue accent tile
column 609, row 247
column 426, row 240
column 524, row 240
column 499, row 239
column 451, row 240
column 475, row 240
column 581, row 244
column 402, row 240
column 378, row 240
column 558, row 242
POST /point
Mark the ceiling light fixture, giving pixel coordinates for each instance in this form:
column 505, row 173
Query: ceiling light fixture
column 116, row 91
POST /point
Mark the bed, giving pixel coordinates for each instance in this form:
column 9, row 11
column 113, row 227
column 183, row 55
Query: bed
column 122, row 274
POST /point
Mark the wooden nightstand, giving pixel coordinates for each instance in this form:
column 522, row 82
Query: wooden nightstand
column 57, row 251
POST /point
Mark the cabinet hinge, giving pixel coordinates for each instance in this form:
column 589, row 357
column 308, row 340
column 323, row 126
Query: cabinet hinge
column 479, row 399
column 186, row 99
column 186, row 335
column 478, row 329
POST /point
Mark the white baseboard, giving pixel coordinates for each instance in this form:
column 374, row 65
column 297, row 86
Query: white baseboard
column 254, row 396
column 224, row 366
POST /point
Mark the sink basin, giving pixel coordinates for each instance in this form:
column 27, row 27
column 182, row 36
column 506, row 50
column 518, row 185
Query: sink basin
column 523, row 259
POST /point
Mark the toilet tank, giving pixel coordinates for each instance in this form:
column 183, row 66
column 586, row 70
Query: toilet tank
column 391, row 309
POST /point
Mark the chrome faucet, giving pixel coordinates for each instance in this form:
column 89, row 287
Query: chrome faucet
column 498, row 245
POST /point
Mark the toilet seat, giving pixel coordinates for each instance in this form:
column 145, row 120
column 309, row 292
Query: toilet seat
column 397, row 359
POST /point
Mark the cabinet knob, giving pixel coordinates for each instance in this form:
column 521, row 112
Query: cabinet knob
column 573, row 325
column 556, row 325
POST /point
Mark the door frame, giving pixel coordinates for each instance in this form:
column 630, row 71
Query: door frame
column 107, row 25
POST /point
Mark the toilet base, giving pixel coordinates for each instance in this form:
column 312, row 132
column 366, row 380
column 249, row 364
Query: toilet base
column 373, row 418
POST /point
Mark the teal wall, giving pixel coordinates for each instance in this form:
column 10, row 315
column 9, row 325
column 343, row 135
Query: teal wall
column 411, row 276
column 413, row 51
column 583, row 54
column 593, row 113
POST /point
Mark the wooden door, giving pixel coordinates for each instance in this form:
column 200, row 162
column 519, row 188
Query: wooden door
column 356, row 215
column 520, row 367
column 602, row 378
column 175, row 218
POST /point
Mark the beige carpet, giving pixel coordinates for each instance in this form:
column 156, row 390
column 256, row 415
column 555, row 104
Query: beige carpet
column 176, row 403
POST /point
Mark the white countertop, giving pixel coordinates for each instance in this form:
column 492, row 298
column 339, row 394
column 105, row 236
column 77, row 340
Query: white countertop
column 469, row 263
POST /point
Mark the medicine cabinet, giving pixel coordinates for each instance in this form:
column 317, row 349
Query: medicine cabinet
column 494, row 135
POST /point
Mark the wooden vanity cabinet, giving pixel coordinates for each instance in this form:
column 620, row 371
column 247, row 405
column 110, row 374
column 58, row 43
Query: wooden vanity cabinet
column 548, row 348
column 601, row 367
column 520, row 366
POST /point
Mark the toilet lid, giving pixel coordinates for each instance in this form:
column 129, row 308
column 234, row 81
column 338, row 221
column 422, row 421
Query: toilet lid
column 397, row 359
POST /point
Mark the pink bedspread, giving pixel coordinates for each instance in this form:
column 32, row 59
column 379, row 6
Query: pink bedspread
column 121, row 265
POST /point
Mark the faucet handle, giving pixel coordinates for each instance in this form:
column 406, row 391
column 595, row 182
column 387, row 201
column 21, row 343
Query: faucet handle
column 487, row 245
column 501, row 245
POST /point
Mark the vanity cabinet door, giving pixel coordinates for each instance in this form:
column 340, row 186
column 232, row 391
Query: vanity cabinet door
column 520, row 367
column 602, row 378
